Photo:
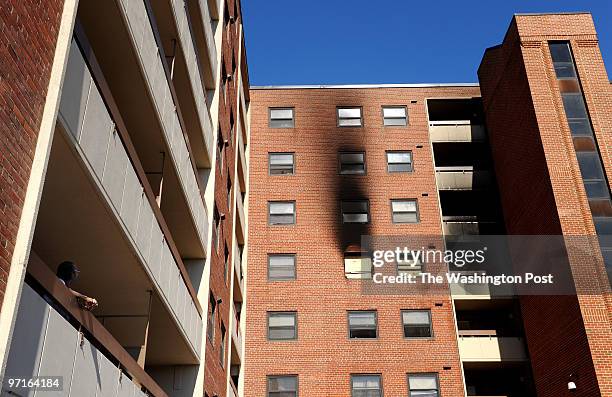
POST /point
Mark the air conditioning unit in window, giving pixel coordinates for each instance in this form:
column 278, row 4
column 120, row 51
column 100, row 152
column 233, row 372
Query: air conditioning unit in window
column 357, row 267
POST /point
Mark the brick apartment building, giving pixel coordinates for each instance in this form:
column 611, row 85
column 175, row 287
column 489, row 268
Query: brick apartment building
column 132, row 145
column 528, row 152
column 124, row 151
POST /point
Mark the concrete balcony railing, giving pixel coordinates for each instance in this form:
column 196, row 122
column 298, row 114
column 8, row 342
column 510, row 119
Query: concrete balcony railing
column 241, row 224
column 486, row 346
column 470, row 291
column 462, row 178
column 46, row 343
column 193, row 67
column 143, row 40
column 456, row 131
column 243, row 170
column 237, row 334
column 209, row 36
column 122, row 184
column 238, row 269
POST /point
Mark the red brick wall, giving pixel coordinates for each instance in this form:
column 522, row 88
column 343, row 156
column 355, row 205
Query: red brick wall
column 542, row 192
column 323, row 356
column 215, row 376
column 28, row 34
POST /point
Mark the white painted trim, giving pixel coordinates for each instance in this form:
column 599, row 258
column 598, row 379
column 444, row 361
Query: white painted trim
column 34, row 189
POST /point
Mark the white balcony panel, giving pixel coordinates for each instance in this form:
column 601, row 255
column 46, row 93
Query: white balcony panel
column 114, row 170
column 85, row 379
column 130, row 206
column 97, row 127
column 125, row 387
column 455, row 131
column 158, row 85
column 103, row 149
column 109, row 374
column 491, row 349
column 77, row 81
column 59, row 349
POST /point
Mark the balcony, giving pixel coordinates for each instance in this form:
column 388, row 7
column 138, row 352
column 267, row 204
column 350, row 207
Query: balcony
column 486, row 346
column 238, row 272
column 456, row 131
column 237, row 335
column 241, row 224
column 204, row 38
column 130, row 61
column 95, row 174
column 462, row 178
column 243, row 171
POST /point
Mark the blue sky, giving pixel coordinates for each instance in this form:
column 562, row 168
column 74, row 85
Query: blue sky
column 392, row 41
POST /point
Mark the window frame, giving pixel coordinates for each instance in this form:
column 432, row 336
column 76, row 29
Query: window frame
column 380, row 382
column 270, row 109
column 387, row 152
column 431, row 330
column 348, row 323
column 270, row 154
column 297, row 382
column 382, row 112
column 361, row 121
column 285, row 202
column 271, row 313
column 436, row 375
column 294, row 255
column 365, row 167
column 418, row 213
column 367, row 201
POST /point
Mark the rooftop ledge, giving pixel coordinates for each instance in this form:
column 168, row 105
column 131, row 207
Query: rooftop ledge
column 320, row 86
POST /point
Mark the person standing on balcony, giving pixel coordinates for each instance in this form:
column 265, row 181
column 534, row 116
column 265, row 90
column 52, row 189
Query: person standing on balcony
column 67, row 272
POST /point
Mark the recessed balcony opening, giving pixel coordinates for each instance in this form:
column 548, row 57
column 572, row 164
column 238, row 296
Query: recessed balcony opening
column 76, row 222
column 483, row 379
column 119, row 67
column 455, row 109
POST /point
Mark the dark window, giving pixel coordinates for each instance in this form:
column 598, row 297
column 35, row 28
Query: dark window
column 229, row 194
column 423, row 385
column 282, row 118
column 222, row 348
column 352, row 163
column 577, row 116
column 226, row 264
column 593, row 175
column 282, row 325
column 404, row 211
column 282, row 386
column 366, row 386
column 417, row 323
column 220, row 150
column 355, row 211
column 399, row 161
column 212, row 310
column 394, row 116
column 216, row 228
column 362, row 324
column 281, row 163
column 281, row 267
column 349, row 117
column 281, row 212
column 562, row 60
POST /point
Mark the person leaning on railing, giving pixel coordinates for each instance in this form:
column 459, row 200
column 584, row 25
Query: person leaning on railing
column 67, row 272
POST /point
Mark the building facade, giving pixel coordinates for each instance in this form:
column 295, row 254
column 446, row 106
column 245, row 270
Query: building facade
column 133, row 146
column 525, row 153
column 125, row 151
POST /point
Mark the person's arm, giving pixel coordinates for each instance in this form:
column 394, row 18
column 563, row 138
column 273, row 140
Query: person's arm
column 91, row 303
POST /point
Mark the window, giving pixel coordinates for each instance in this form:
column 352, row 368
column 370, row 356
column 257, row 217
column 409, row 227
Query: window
column 366, row 386
column 352, row 163
column 226, row 263
column 281, row 163
column 399, row 161
column 416, row 323
column 576, row 113
column 423, row 385
column 229, row 195
column 282, row 118
column 212, row 310
column 407, row 263
column 220, row 150
column 217, row 228
column 394, row 116
column 357, row 211
column 357, row 266
column 349, row 117
column 282, row 325
column 281, row 267
column 281, row 212
column 282, row 386
column 562, row 60
column 222, row 348
column 404, row 211
column 592, row 175
column 362, row 324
